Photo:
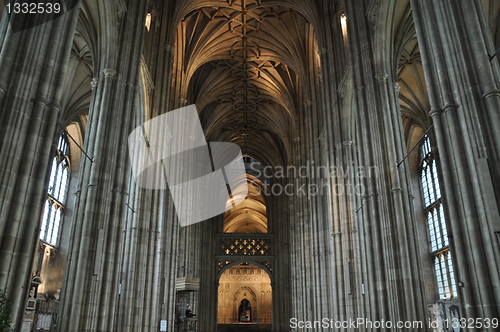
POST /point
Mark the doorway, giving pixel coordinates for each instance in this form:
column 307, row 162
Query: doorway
column 244, row 299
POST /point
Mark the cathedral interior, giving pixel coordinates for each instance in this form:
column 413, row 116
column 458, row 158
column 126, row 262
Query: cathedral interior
column 369, row 138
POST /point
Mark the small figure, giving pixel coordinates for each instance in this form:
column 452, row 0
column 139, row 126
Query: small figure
column 189, row 313
column 35, row 282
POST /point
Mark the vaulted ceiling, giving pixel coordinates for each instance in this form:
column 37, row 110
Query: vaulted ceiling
column 413, row 97
column 414, row 100
column 249, row 216
column 245, row 62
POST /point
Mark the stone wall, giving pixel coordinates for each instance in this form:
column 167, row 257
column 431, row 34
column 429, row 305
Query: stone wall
column 245, row 282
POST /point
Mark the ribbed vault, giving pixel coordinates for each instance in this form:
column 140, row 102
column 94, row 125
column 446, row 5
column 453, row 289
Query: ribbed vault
column 250, row 215
column 414, row 100
column 245, row 62
column 413, row 95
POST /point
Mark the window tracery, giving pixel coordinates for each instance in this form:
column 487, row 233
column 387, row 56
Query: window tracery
column 56, row 196
column 438, row 233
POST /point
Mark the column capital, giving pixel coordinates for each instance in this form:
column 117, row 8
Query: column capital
column 435, row 112
column 55, row 106
column 109, row 72
column 491, row 93
column 397, row 87
column 94, row 82
column 347, row 144
column 450, row 107
column 42, row 102
column 382, row 77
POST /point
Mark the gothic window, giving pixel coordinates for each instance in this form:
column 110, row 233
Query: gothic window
column 440, row 248
column 58, row 187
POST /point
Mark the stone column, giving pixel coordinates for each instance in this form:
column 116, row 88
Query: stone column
column 100, row 280
column 464, row 93
column 159, row 55
column 32, row 67
column 345, row 273
column 277, row 209
column 393, row 288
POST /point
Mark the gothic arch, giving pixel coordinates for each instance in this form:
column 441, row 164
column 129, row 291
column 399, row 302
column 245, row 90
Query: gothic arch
column 100, row 19
column 238, row 297
column 250, row 215
column 250, row 283
column 79, row 75
column 383, row 35
column 245, row 289
column 413, row 96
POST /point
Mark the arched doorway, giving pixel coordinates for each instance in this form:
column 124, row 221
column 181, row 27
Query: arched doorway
column 244, row 311
column 244, row 298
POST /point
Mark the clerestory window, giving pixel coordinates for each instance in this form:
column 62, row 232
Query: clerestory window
column 56, row 196
column 440, row 249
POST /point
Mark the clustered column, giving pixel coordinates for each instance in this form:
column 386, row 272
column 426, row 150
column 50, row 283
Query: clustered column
column 464, row 93
column 31, row 86
column 113, row 253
